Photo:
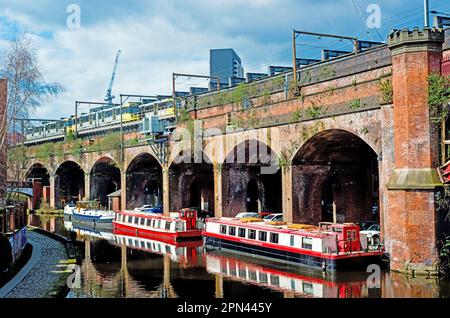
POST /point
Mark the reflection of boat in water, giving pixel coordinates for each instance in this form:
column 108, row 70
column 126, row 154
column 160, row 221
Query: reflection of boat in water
column 187, row 253
column 83, row 230
column 177, row 226
column 315, row 284
column 329, row 246
column 89, row 212
column 69, row 208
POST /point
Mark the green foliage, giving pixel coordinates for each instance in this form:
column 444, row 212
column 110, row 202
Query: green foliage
column 315, row 111
column 44, row 151
column 327, row 71
column 438, row 97
column 297, row 115
column 183, row 115
column 386, row 91
column 355, row 104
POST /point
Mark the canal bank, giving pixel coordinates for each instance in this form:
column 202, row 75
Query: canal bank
column 46, row 272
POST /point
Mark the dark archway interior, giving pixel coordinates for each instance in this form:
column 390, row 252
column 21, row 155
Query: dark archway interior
column 335, row 176
column 69, row 183
column 247, row 181
column 104, row 180
column 191, row 184
column 38, row 173
column 144, row 182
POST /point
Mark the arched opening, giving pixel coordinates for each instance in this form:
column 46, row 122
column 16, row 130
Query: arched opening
column 38, row 178
column 335, row 179
column 69, row 183
column 191, row 183
column 144, row 182
column 104, row 180
column 250, row 180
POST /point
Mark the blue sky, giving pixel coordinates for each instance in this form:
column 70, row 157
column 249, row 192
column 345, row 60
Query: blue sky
column 165, row 36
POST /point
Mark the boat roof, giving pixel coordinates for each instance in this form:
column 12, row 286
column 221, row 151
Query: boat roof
column 148, row 215
column 270, row 227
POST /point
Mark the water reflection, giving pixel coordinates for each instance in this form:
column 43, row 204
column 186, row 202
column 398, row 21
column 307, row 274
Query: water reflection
column 116, row 265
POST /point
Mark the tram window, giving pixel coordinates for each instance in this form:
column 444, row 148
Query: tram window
column 130, row 219
column 241, row 232
column 263, row 236
column 307, row 243
column 263, row 278
column 232, row 231
column 142, row 221
column 292, row 240
column 252, row 234
column 168, row 223
column 274, row 238
column 275, row 280
column 223, row 229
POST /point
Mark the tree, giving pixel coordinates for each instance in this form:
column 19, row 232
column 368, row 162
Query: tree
column 27, row 90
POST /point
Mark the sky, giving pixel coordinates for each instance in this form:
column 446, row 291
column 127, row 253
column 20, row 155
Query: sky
column 160, row 37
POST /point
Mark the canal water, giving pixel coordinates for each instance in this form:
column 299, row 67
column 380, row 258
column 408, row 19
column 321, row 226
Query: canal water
column 116, row 266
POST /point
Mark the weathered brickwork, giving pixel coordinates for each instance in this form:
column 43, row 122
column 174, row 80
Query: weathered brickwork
column 337, row 142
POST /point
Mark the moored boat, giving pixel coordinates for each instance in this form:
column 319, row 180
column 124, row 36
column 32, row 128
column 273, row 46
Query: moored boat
column 329, row 246
column 177, row 226
column 89, row 212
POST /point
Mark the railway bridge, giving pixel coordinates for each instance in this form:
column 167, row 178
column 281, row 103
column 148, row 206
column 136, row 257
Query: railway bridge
column 351, row 141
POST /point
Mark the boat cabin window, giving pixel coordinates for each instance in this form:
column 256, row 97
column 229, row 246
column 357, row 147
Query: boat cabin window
column 307, row 243
column 274, row 280
column 159, row 224
column 153, row 223
column 252, row 275
column 263, row 278
column 136, row 220
column 232, row 231
column 223, row 229
column 351, row 235
column 263, row 236
column 242, row 273
column 241, row 232
column 252, row 234
column 149, row 221
column 142, row 221
column 292, row 240
column 168, row 223
column 337, row 229
column 130, row 219
column 274, row 238
column 308, row 288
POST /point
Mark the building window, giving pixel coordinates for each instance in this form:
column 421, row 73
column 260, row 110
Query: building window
column 232, row 231
column 274, row 238
column 307, row 243
column 252, row 234
column 262, row 236
column 241, row 232
column 223, row 229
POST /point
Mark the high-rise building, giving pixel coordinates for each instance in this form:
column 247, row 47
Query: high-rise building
column 225, row 63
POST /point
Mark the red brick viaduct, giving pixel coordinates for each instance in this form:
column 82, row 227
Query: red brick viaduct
column 340, row 139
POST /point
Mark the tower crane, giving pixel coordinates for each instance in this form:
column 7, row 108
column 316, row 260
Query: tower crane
column 109, row 98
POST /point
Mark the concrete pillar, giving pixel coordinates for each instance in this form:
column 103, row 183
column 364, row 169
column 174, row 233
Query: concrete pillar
column 410, row 224
column 123, row 191
column 87, row 186
column 52, row 191
column 218, row 207
column 286, row 184
column 166, row 191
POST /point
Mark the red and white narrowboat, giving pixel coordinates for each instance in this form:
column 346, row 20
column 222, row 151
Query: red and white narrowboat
column 177, row 226
column 329, row 246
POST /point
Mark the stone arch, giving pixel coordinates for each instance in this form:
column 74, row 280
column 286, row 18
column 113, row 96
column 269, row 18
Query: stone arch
column 144, row 181
column 335, row 175
column 104, row 179
column 249, row 163
column 191, row 180
column 69, row 183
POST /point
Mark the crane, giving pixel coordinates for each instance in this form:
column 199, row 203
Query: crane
column 109, row 98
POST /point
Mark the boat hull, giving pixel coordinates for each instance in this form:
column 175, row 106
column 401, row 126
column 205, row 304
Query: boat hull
column 171, row 236
column 342, row 262
column 96, row 221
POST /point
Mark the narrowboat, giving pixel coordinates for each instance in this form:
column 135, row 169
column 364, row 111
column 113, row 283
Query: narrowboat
column 88, row 212
column 178, row 226
column 328, row 246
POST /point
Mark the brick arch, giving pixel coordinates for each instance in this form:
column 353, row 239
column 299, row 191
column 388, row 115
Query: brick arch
column 104, row 179
column 57, row 163
column 103, row 158
column 342, row 156
column 69, row 182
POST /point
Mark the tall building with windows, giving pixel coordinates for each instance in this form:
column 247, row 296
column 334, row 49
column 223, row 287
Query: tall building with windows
column 225, row 63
